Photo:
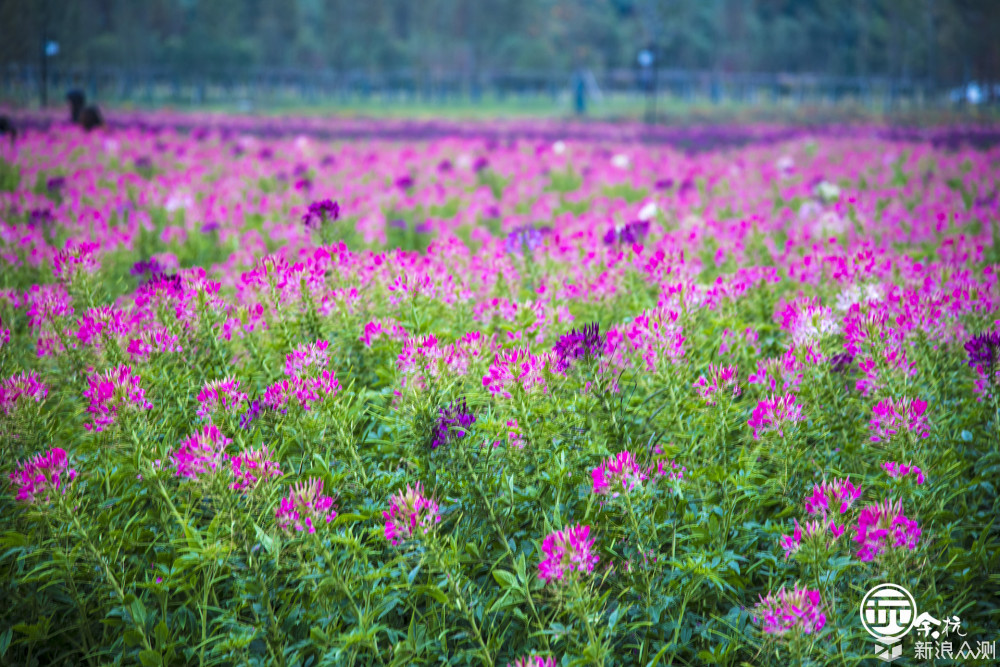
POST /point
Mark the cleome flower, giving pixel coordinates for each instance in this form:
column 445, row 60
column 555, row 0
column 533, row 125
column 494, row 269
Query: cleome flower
column 200, row 453
column 220, row 396
column 799, row 610
column 883, row 526
column 40, row 476
column 452, row 423
column 534, row 661
column 896, row 470
column 252, row 467
column 18, row 389
column 111, row 393
column 568, row 552
column 304, row 507
column 411, row 514
column 774, row 414
column 893, row 416
column 724, row 379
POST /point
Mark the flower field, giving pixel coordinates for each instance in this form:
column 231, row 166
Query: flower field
column 302, row 400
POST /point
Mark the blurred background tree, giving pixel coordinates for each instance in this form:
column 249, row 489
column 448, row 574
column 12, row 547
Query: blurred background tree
column 947, row 41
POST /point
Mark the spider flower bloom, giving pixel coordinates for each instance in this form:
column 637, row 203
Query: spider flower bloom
column 895, row 470
column 883, row 526
column 774, row 414
column 305, row 506
column 220, row 395
column 797, row 610
column 307, row 360
column 410, row 514
column 111, row 393
column 984, row 349
column 514, row 367
column 77, row 258
column 41, row 475
column 19, row 389
column 319, row 213
column 585, row 343
column 618, row 473
column 452, row 422
column 720, row 378
column 792, row 543
column 567, row 551
column 892, row 416
column 250, row 416
column 251, row 467
column 834, row 498
column 534, row 661
column 200, row 453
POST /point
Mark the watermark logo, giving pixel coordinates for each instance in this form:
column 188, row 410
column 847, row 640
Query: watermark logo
column 888, row 612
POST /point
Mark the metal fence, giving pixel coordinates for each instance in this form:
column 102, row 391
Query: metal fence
column 21, row 84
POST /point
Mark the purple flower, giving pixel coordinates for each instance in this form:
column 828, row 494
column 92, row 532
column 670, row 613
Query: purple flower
column 321, row 212
column 983, row 349
column 633, row 232
column 525, row 238
column 585, row 343
column 251, row 415
column 452, row 423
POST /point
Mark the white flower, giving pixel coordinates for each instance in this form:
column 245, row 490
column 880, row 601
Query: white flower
column 620, row 161
column 559, row 147
column 648, row 211
column 828, row 192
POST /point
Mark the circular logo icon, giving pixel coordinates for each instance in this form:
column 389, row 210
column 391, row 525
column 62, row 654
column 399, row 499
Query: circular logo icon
column 888, row 611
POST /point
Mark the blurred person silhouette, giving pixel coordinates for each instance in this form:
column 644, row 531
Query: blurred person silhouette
column 88, row 117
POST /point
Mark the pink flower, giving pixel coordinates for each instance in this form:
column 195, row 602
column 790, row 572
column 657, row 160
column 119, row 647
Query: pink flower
column 201, row 453
column 892, row 416
column 252, row 467
column 567, row 552
column 307, row 360
column 834, row 498
column 510, row 368
column 75, row 259
column 534, row 661
column 618, row 473
column 883, row 526
column 304, row 507
column 220, row 395
column 42, row 475
column 720, row 378
column 773, row 414
column 797, row 610
column 20, row 388
column 895, row 470
column 113, row 392
column 410, row 514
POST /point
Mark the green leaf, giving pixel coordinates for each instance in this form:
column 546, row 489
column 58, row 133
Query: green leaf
column 5, row 641
column 150, row 658
column 433, row 592
column 505, row 579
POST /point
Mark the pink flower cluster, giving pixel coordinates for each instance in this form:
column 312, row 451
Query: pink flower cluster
column 42, row 475
column 75, row 259
column 896, row 470
column 514, row 368
column 251, row 468
column 883, row 526
column 828, row 501
column 534, row 661
column 411, row 514
column 796, row 610
column 201, row 453
column 111, row 393
column 622, row 473
column 774, row 414
column 309, row 381
column 220, row 396
column 24, row 386
column 724, row 379
column 304, row 507
column 567, row 552
column 893, row 416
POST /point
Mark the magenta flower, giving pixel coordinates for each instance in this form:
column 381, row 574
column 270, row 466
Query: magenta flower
column 410, row 514
column 19, row 389
column 534, row 661
column 797, row 610
column 896, row 470
column 510, row 368
column 618, row 473
column 832, row 498
column 304, row 507
column 252, row 467
column 42, row 475
column 893, row 416
column 567, row 552
column 114, row 392
column 200, row 453
column 77, row 258
column 792, row 543
column 220, row 396
column 720, row 379
column 774, row 414
column 307, row 360
column 884, row 526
